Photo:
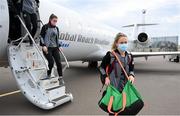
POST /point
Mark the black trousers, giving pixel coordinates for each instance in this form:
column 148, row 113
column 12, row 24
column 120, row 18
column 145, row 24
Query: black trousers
column 53, row 54
column 14, row 28
column 31, row 23
column 15, row 24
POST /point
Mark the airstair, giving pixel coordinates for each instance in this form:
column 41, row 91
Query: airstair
column 29, row 68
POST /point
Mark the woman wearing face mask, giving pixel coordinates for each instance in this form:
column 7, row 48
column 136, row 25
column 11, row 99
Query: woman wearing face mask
column 49, row 42
column 116, row 76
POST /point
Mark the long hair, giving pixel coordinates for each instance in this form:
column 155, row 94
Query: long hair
column 118, row 36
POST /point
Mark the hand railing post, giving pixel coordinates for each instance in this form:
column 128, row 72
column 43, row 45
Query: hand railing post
column 67, row 64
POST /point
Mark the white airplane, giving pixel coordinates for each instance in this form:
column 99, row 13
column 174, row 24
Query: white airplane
column 81, row 39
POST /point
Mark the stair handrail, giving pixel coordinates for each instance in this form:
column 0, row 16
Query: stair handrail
column 67, row 64
column 44, row 60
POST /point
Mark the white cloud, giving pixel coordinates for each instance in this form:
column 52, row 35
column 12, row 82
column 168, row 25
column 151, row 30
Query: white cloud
column 173, row 19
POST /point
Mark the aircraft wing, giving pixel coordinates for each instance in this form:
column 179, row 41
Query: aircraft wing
column 140, row 25
column 144, row 54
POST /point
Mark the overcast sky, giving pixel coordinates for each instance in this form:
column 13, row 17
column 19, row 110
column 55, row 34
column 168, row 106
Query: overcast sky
column 117, row 13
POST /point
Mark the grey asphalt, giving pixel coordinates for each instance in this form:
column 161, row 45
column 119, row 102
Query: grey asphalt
column 157, row 79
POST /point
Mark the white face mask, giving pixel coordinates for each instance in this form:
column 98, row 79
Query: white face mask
column 123, row 47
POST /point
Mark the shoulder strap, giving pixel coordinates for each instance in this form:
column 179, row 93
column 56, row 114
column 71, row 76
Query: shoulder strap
column 129, row 57
column 120, row 64
column 58, row 31
column 57, row 39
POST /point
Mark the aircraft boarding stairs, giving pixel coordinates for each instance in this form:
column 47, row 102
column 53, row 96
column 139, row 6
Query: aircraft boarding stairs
column 29, row 68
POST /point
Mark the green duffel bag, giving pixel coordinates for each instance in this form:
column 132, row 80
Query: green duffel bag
column 128, row 102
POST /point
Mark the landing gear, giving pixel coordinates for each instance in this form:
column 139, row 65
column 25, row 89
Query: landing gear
column 93, row 64
column 146, row 58
column 174, row 59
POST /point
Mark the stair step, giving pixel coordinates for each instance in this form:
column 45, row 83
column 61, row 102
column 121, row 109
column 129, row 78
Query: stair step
column 49, row 83
column 42, row 68
column 56, row 92
column 48, row 78
column 57, row 99
column 54, row 88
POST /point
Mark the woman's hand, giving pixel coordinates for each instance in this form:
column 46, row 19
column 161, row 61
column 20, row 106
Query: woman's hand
column 60, row 49
column 107, row 81
column 44, row 48
column 131, row 78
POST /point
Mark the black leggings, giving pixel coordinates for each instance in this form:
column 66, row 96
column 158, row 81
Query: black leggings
column 53, row 54
column 31, row 23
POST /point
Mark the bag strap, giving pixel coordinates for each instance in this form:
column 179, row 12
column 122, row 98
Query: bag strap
column 120, row 64
column 109, row 107
column 124, row 99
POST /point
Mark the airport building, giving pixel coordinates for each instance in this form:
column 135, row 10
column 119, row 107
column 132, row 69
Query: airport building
column 164, row 43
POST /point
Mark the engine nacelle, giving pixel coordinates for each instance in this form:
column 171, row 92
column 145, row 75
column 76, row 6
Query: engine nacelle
column 143, row 38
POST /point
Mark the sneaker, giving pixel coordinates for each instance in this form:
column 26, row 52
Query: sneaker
column 61, row 81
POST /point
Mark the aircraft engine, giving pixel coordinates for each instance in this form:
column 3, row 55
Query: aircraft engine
column 143, row 38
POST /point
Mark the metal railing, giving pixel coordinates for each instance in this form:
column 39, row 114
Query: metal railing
column 28, row 34
column 67, row 64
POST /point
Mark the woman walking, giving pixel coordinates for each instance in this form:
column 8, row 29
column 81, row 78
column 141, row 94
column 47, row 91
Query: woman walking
column 110, row 69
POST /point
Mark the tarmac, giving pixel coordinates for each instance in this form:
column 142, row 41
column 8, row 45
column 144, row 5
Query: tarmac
column 157, row 79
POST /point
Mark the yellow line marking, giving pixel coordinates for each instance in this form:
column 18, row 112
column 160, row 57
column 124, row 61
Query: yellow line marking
column 10, row 93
